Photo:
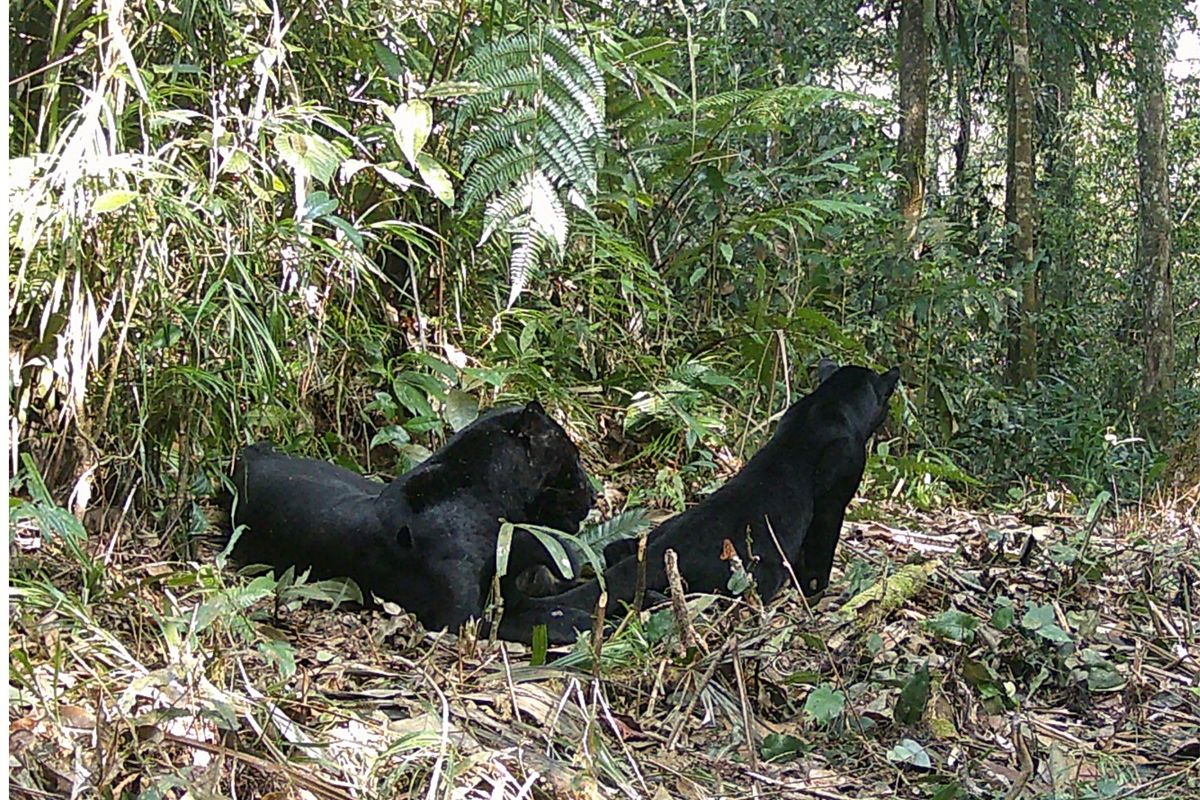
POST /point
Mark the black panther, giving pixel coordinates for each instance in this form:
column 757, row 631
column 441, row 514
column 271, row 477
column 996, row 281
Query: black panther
column 799, row 484
column 426, row 540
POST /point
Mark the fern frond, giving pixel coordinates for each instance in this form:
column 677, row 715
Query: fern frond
column 516, row 126
column 546, row 210
column 579, row 96
column 518, row 84
column 559, row 151
column 534, row 198
column 571, row 126
column 565, row 51
column 542, row 106
column 527, row 246
column 502, row 54
column 496, row 175
column 502, row 210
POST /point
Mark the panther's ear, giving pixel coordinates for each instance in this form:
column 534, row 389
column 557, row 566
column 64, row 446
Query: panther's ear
column 404, row 537
column 532, row 419
column 825, row 368
column 885, row 384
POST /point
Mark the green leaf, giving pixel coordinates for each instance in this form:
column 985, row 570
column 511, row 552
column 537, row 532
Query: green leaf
column 739, row 582
column 1002, row 614
column 436, row 178
column 235, row 163
column 503, row 547
column 333, row 590
column 538, row 646
column 411, row 124
column 780, row 747
column 392, row 434
column 413, row 454
column 387, row 59
column 1097, row 504
column 949, row 791
column 316, row 205
column 455, row 89
column 549, row 540
column 461, row 409
column 112, row 200
column 345, row 227
column 309, row 154
column 824, row 704
column 909, row 752
column 1040, row 620
column 628, row 524
column 955, row 625
column 394, row 177
column 1102, row 676
column 910, row 706
column 282, row 654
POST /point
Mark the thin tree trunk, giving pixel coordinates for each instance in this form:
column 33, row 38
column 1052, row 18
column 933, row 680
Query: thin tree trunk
column 1059, row 222
column 1154, row 222
column 1018, row 201
column 962, row 145
column 913, row 60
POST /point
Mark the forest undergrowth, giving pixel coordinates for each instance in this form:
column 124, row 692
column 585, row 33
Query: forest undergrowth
column 1034, row 652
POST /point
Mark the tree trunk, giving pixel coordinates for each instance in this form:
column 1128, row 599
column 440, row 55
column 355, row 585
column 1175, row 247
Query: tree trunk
column 1057, row 229
column 913, row 58
column 1018, row 201
column 1154, row 222
column 962, row 145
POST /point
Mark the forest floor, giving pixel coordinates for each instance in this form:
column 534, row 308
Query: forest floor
column 999, row 655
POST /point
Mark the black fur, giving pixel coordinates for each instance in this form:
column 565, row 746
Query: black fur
column 799, row 482
column 427, row 540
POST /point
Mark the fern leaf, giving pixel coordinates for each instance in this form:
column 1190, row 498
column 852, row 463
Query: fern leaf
column 516, row 126
column 559, row 152
column 502, row 210
column 572, row 127
column 527, row 245
column 497, row 56
column 495, row 175
column 579, row 96
column 546, row 211
column 535, row 127
column 557, row 44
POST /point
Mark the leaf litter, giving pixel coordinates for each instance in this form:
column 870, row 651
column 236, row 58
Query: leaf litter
column 956, row 654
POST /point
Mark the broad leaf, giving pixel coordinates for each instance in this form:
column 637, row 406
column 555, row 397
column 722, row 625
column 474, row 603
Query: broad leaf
column 824, row 704
column 112, row 200
column 911, row 753
column 461, row 409
column 910, row 706
column 411, row 124
column 955, row 625
column 436, row 178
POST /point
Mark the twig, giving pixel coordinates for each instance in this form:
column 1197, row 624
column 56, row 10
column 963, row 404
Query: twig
column 1023, row 758
column 751, row 743
column 687, row 633
column 512, row 690
column 1134, row 791
column 708, row 673
column 598, row 633
column 792, row 787
column 638, row 595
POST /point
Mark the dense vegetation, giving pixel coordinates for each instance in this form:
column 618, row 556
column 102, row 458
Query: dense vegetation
column 309, row 225
column 345, row 226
